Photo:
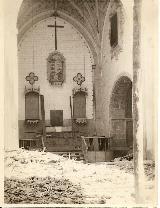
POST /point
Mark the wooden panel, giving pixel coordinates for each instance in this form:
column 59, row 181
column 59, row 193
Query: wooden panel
column 91, row 155
column 118, row 128
column 79, row 106
column 32, row 105
column 56, row 117
column 128, row 107
column 118, row 144
column 118, row 132
column 99, row 156
column 129, row 133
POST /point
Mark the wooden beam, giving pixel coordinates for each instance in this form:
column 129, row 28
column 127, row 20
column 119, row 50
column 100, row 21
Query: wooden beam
column 43, row 122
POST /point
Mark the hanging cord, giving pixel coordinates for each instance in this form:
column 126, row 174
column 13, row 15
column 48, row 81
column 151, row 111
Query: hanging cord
column 84, row 62
column 84, row 59
column 33, row 52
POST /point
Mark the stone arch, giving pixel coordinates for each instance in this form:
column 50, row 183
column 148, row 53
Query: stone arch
column 92, row 43
column 120, row 112
column 89, row 62
column 121, row 87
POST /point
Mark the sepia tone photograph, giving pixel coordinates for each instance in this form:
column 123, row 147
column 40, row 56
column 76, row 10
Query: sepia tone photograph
column 80, row 102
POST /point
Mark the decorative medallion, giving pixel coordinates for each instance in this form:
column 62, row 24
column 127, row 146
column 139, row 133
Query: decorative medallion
column 79, row 79
column 31, row 78
column 56, row 68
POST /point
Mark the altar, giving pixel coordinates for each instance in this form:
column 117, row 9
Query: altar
column 55, row 87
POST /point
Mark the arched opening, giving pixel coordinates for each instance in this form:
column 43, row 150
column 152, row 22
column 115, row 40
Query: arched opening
column 31, row 12
column 121, row 124
column 55, row 49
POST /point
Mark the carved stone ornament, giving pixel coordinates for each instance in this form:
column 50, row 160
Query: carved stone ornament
column 81, row 121
column 56, row 68
column 79, row 89
column 32, row 89
column 79, row 79
column 31, row 78
column 32, row 122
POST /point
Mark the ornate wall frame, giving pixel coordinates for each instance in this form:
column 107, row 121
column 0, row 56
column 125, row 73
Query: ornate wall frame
column 56, row 67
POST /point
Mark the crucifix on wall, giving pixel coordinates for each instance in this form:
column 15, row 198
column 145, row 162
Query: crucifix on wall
column 55, row 26
column 55, row 60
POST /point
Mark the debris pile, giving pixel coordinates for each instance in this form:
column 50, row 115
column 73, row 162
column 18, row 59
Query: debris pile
column 128, row 157
column 149, row 168
column 46, row 190
column 126, row 163
column 46, row 178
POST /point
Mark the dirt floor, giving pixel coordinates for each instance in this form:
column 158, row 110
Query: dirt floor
column 35, row 177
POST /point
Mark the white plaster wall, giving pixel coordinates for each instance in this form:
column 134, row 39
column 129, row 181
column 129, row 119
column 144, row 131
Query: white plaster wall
column 35, row 46
column 111, row 69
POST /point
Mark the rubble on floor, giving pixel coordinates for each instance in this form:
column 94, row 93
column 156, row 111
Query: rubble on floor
column 126, row 157
column 46, row 190
column 40, row 177
column 126, row 163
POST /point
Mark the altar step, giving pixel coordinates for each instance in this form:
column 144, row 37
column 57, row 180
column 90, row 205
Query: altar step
column 71, row 155
column 63, row 144
column 66, row 141
column 63, row 141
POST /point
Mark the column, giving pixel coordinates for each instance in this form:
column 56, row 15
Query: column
column 11, row 9
column 138, row 104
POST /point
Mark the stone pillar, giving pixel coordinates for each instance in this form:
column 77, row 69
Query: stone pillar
column 11, row 9
column 94, row 97
column 1, row 100
column 138, row 104
column 149, row 62
column 145, row 70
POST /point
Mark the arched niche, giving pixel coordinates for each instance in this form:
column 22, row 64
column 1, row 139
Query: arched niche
column 31, row 106
column 121, row 124
column 32, row 20
column 79, row 105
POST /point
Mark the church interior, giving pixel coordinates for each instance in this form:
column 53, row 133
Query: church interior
column 76, row 78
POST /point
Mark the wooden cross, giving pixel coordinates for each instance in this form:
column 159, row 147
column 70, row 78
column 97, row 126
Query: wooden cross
column 56, row 26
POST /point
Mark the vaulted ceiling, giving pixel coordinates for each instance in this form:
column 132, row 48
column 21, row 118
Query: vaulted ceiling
column 86, row 15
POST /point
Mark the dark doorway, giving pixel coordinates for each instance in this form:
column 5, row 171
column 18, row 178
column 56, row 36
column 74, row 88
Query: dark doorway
column 56, row 117
column 121, row 115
